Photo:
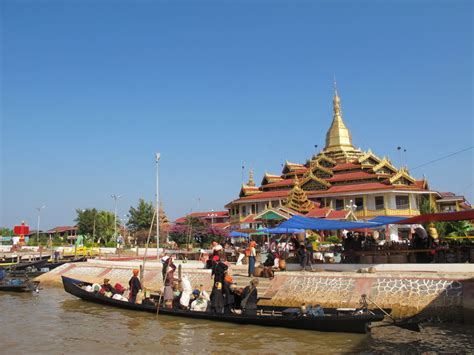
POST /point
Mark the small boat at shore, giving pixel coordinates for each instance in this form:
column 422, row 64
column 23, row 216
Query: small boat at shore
column 359, row 322
column 17, row 285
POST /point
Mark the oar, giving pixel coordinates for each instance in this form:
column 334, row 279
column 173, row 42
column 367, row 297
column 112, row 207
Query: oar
column 414, row 327
column 158, row 305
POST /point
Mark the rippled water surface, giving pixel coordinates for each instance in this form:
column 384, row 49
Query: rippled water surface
column 54, row 322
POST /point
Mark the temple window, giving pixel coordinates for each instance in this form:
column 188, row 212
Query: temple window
column 359, row 202
column 339, row 204
column 244, row 210
column 402, row 202
column 379, row 203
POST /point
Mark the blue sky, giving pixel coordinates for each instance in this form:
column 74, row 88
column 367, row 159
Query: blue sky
column 91, row 89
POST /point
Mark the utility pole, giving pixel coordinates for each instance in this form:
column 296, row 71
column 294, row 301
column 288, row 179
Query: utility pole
column 157, row 160
column 116, row 198
column 38, row 226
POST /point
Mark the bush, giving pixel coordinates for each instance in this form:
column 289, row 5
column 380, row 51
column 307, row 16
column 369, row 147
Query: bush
column 111, row 244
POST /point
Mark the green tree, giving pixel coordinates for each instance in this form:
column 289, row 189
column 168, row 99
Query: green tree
column 6, row 232
column 427, row 208
column 141, row 216
column 102, row 222
column 139, row 221
column 454, row 228
column 87, row 221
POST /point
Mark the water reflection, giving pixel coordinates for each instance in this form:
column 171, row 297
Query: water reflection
column 56, row 322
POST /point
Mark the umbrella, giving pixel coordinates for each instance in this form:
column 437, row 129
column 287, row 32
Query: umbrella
column 235, row 234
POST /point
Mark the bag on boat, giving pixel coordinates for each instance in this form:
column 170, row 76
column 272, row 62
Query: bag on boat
column 140, row 297
column 89, row 288
column 119, row 297
column 187, row 291
column 108, row 294
column 119, row 288
column 96, row 287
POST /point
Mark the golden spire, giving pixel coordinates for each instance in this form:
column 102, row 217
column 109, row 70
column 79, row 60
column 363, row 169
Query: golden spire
column 251, row 181
column 338, row 136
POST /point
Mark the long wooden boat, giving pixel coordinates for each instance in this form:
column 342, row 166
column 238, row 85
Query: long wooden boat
column 26, row 286
column 52, row 265
column 38, row 264
column 358, row 323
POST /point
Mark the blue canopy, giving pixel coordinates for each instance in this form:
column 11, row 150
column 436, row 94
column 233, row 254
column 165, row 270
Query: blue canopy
column 301, row 222
column 386, row 219
column 235, row 234
column 280, row 230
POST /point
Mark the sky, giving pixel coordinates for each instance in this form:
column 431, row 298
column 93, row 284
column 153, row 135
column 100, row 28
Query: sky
column 90, row 90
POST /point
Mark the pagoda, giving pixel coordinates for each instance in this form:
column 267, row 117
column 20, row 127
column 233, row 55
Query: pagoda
column 297, row 200
column 340, row 182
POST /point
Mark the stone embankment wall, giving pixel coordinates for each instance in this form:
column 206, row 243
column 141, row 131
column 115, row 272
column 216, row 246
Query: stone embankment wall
column 424, row 295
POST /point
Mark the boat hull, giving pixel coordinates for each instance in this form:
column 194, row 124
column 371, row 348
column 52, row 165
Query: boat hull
column 344, row 323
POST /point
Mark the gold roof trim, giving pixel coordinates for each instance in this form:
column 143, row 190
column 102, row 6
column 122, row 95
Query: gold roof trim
column 315, row 165
column 384, row 163
column 311, row 176
column 402, row 173
column 369, row 155
column 323, row 156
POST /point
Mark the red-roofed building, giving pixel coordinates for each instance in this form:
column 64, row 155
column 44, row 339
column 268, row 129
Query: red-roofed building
column 212, row 217
column 342, row 179
column 69, row 232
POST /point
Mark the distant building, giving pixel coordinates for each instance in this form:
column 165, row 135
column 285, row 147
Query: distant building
column 218, row 219
column 338, row 180
column 68, row 232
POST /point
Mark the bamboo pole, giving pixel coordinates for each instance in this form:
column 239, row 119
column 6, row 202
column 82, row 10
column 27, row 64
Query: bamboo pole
column 146, row 248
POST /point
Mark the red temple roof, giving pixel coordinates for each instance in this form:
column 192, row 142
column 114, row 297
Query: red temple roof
column 346, row 166
column 286, row 182
column 318, row 212
column 342, row 214
column 267, row 194
column 249, row 219
column 224, row 225
column 358, row 175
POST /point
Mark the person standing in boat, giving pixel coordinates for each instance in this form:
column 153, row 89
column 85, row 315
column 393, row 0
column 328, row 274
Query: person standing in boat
column 219, row 269
column 252, row 257
column 229, row 301
column 169, row 269
column 135, row 286
column 250, row 298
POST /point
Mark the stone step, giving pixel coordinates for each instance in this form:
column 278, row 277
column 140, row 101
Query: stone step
column 243, row 280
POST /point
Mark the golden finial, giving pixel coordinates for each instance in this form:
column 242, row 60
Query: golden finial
column 336, row 100
column 251, row 181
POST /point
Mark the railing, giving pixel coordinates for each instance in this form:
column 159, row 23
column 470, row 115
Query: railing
column 386, row 212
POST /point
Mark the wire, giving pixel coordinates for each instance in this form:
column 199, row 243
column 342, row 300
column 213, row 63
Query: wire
column 444, row 157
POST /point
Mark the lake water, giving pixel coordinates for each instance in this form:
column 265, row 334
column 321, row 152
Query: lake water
column 55, row 322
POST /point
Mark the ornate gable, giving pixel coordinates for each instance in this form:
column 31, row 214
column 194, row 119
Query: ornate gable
column 384, row 167
column 269, row 178
column 290, row 167
column 312, row 182
column 369, row 158
column 247, row 190
column 402, row 178
column 319, row 171
column 325, row 161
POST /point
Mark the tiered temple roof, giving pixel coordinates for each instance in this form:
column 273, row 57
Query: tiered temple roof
column 338, row 168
